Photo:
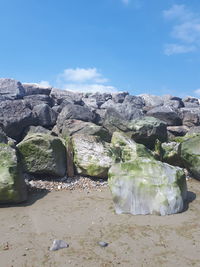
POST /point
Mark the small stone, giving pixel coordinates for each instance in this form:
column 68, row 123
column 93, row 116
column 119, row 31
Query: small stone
column 58, row 244
column 103, row 244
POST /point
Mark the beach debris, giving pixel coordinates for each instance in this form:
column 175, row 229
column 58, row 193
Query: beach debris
column 58, row 244
column 103, row 244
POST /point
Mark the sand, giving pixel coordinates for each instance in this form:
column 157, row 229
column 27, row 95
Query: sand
column 82, row 219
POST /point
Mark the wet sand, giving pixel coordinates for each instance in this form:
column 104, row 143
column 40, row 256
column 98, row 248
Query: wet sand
column 82, row 219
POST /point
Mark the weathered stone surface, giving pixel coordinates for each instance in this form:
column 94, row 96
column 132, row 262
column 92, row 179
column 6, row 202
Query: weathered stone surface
column 35, row 129
column 91, row 156
column 43, row 154
column 147, row 130
column 146, row 186
column 60, row 95
column 36, row 89
column 98, row 98
column 15, row 116
column 152, row 100
column 119, row 97
column 178, row 130
column 136, row 101
column 33, row 100
column 12, row 185
column 190, row 155
column 3, row 137
column 44, row 115
column 191, row 99
column 126, row 149
column 190, row 116
column 11, row 89
column 167, row 114
column 194, row 130
column 71, row 127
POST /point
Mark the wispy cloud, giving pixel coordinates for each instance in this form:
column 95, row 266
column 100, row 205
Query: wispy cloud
column 84, row 80
column 197, row 92
column 186, row 30
column 44, row 84
column 126, row 2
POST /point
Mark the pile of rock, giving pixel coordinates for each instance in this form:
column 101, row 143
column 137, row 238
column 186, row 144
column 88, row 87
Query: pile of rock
column 47, row 132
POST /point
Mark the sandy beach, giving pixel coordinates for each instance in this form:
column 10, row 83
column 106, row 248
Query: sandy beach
column 83, row 218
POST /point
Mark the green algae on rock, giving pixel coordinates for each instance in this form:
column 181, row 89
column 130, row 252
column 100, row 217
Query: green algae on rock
column 146, row 186
column 190, row 155
column 12, row 184
column 43, row 154
column 91, row 156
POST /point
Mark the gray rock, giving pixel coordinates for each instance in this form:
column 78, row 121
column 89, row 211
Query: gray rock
column 36, row 89
column 191, row 99
column 147, row 130
column 35, row 129
column 191, row 105
column 11, row 89
column 152, row 100
column 190, row 116
column 119, row 97
column 178, row 130
column 166, row 114
column 103, row 244
column 34, row 100
column 91, row 103
column 194, row 130
column 60, row 95
column 15, row 116
column 44, row 115
column 135, row 101
column 174, row 103
column 58, row 244
column 100, row 98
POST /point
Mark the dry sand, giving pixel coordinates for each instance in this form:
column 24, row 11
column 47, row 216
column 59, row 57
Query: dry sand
column 82, row 219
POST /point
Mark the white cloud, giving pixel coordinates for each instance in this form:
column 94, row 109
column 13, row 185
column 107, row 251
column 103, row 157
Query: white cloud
column 83, row 80
column 44, row 84
column 197, row 91
column 186, row 29
column 126, row 2
column 171, row 49
column 82, row 75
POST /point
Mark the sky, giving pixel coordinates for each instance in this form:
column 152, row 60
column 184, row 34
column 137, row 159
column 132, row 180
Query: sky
column 139, row 46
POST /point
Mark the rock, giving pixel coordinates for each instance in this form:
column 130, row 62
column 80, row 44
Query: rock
column 91, row 103
column 15, row 116
column 191, row 105
column 58, row 244
column 178, row 130
column 194, row 130
column 174, row 103
column 34, row 100
column 44, row 115
column 35, row 129
column 166, row 114
column 190, row 155
column 71, row 127
column 152, row 100
column 119, row 97
column 113, row 121
column 147, row 130
column 36, row 89
column 100, row 98
column 3, row 137
column 12, row 185
column 91, row 156
column 146, row 186
column 191, row 99
column 103, row 244
column 190, row 116
column 136, row 101
column 61, row 95
column 108, row 104
column 11, row 89
column 169, row 153
column 76, row 112
column 43, row 154
column 100, row 116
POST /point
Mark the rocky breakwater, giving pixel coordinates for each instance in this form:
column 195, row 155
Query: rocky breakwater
column 134, row 140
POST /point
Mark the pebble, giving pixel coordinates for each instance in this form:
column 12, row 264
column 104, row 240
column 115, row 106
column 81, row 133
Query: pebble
column 58, row 244
column 103, row 244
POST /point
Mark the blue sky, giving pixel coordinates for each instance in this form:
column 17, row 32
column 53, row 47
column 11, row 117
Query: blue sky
column 140, row 46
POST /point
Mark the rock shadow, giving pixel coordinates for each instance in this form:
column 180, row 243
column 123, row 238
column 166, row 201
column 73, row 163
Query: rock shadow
column 191, row 196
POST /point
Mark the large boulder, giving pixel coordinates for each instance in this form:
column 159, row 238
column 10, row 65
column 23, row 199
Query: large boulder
column 190, row 116
column 119, row 97
column 71, row 127
column 167, row 114
column 63, row 95
column 11, row 89
column 146, row 186
column 36, row 89
column 147, row 130
column 15, row 116
column 92, row 157
column 152, row 100
column 190, row 155
column 43, row 154
column 44, row 115
column 12, row 184
column 33, row 100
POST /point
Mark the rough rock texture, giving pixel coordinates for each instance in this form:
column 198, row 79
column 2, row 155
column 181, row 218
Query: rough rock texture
column 15, row 116
column 11, row 89
column 43, row 154
column 12, row 185
column 33, row 100
column 190, row 155
column 36, row 89
column 147, row 130
column 146, row 186
column 44, row 115
column 91, row 156
column 35, row 129
column 61, row 95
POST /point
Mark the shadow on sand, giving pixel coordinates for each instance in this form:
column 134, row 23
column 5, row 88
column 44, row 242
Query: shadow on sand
column 33, row 196
column 191, row 196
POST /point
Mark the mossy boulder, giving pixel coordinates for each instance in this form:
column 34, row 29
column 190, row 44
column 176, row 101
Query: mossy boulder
column 190, row 155
column 126, row 149
column 91, row 155
column 12, row 185
column 147, row 130
column 43, row 154
column 146, row 186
